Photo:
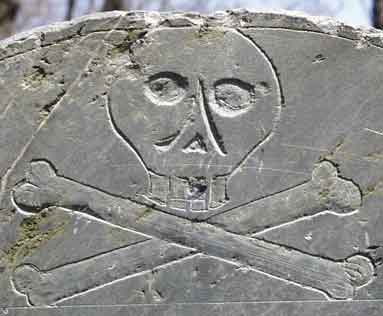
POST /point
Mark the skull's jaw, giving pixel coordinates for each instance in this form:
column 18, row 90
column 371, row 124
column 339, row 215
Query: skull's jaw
column 192, row 195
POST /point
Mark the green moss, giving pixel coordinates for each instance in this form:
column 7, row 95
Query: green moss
column 210, row 33
column 370, row 188
column 374, row 156
column 146, row 212
column 126, row 44
column 331, row 153
column 31, row 236
column 339, row 144
column 35, row 79
column 324, row 193
column 375, row 188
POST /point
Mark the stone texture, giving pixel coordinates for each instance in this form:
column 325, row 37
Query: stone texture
column 180, row 164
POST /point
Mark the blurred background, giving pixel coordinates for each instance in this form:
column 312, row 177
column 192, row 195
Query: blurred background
column 19, row 15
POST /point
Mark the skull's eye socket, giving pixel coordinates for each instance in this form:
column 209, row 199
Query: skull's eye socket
column 232, row 97
column 165, row 88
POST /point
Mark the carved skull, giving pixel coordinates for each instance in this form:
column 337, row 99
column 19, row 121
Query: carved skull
column 185, row 115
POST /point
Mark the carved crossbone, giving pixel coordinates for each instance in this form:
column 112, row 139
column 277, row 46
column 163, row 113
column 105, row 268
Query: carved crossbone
column 338, row 279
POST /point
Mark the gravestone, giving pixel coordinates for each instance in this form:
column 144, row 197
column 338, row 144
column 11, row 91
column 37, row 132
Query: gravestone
column 179, row 164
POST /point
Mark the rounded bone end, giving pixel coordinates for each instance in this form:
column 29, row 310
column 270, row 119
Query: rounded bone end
column 27, row 197
column 340, row 195
column 360, row 270
column 345, row 196
column 357, row 271
column 33, row 199
column 25, row 279
column 324, row 172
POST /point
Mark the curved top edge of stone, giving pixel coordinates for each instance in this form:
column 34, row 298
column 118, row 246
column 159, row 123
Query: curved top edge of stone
column 239, row 18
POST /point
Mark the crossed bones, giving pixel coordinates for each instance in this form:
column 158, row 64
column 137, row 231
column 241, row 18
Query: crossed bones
column 169, row 237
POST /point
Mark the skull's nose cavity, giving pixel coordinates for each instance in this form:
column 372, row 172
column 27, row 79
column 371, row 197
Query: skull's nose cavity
column 210, row 126
column 196, row 145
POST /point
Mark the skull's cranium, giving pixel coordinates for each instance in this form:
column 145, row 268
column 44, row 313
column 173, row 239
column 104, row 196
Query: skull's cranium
column 186, row 116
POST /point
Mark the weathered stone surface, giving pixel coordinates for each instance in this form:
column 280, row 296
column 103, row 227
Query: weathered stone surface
column 191, row 162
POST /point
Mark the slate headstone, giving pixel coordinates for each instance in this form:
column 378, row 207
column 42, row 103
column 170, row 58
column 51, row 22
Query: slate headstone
column 179, row 164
